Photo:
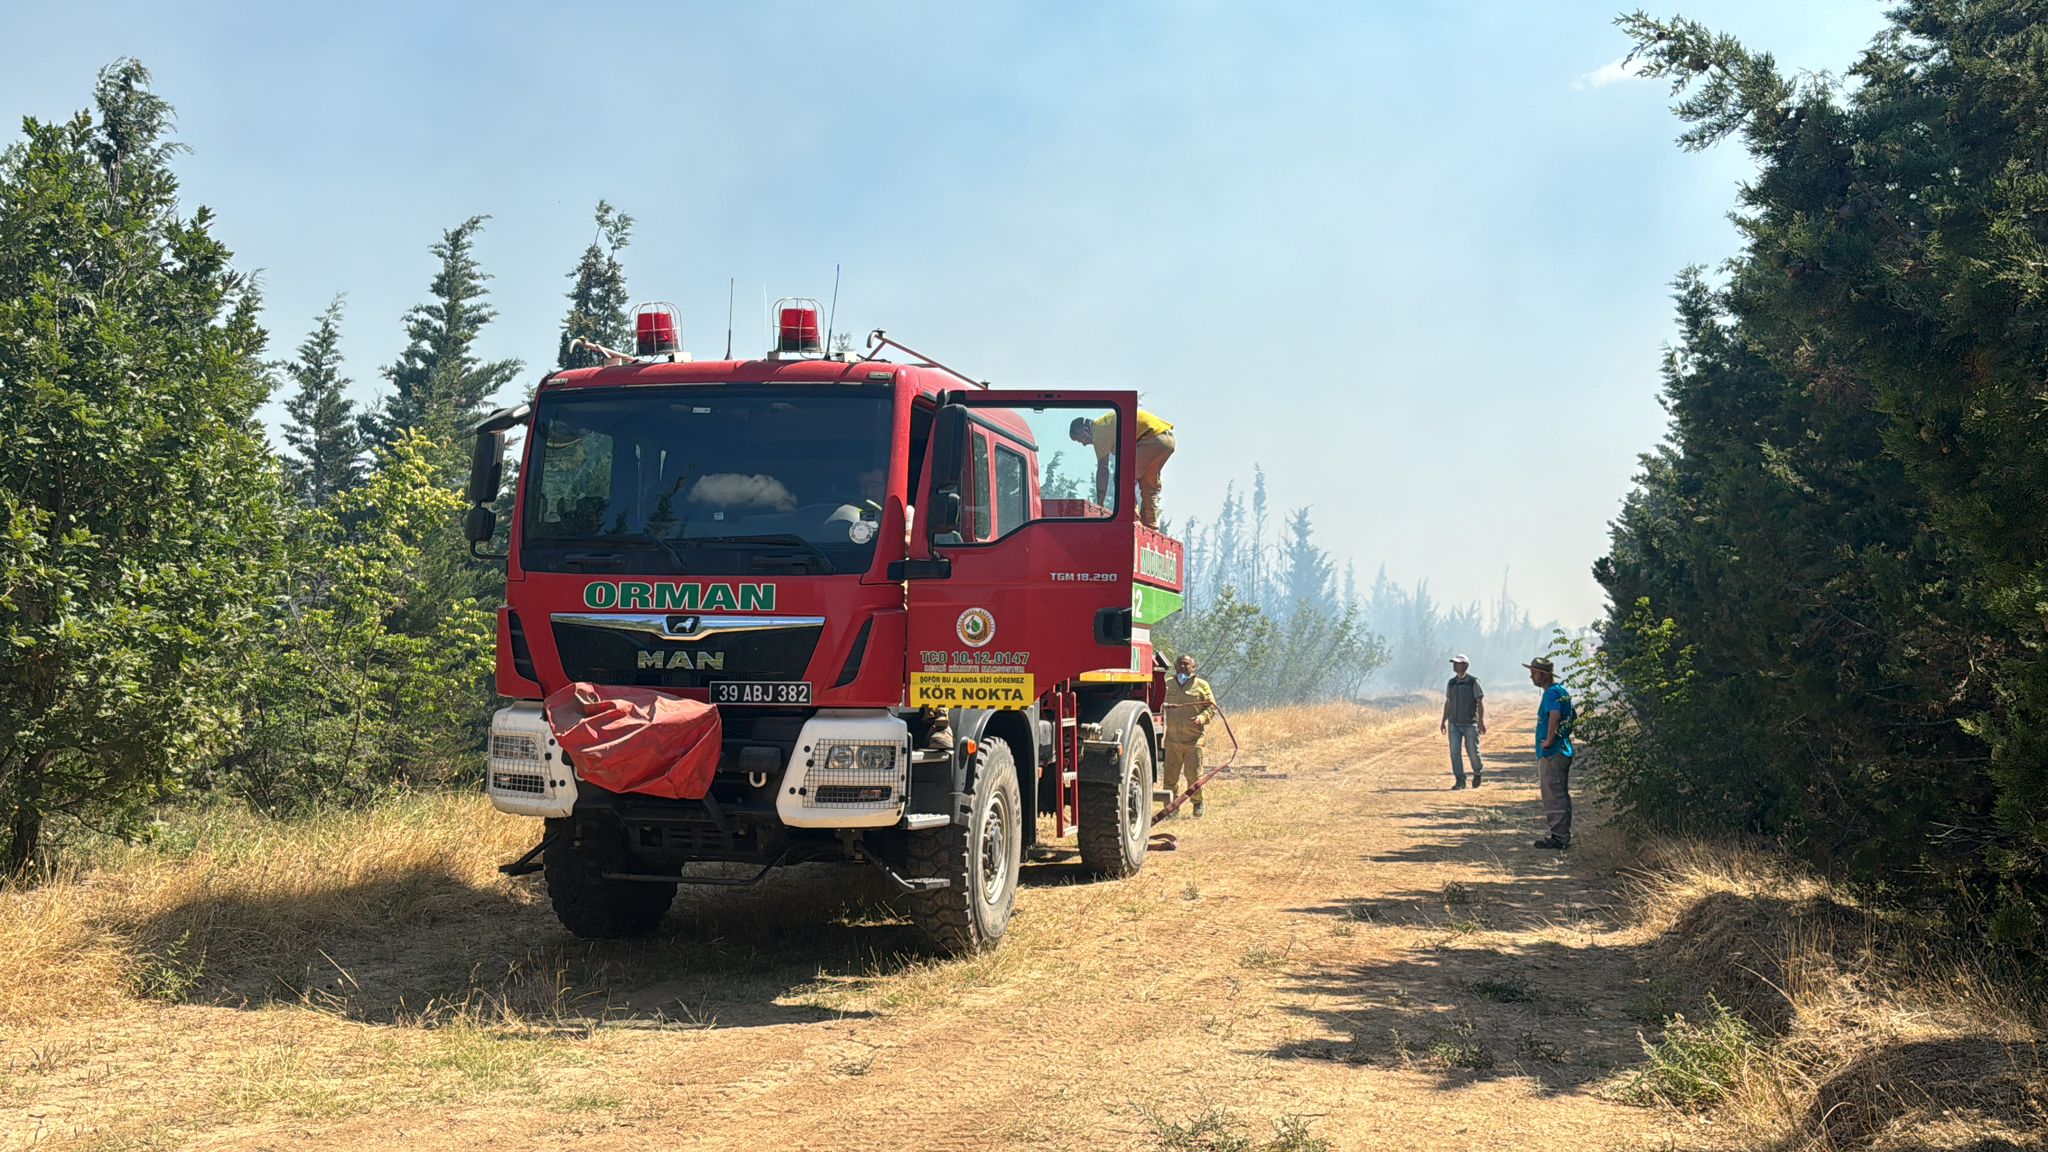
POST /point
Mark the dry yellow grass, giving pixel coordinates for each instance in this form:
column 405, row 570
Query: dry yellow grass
column 225, row 893
column 1864, row 1032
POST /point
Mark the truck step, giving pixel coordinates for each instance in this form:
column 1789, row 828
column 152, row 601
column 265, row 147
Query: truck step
column 930, row 756
column 911, row 883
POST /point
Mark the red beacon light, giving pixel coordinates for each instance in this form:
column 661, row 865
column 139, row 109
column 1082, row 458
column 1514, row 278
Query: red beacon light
column 796, row 329
column 658, row 332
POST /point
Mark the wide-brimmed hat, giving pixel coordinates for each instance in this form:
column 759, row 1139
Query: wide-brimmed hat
column 1541, row 664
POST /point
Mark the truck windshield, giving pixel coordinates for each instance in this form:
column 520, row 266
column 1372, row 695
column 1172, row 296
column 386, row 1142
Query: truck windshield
column 710, row 480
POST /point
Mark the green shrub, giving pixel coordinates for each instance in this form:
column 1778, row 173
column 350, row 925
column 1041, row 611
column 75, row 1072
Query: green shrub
column 1694, row 1065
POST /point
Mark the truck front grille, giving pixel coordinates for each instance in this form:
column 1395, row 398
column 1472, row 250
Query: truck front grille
column 683, row 650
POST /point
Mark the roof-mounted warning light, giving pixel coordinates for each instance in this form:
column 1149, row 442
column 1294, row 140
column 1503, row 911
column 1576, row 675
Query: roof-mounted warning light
column 796, row 329
column 658, row 332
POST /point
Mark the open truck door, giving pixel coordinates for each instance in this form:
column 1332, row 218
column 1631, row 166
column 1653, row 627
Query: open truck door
column 1020, row 577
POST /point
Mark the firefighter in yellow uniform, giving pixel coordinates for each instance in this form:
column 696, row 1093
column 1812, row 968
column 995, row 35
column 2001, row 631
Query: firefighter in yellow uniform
column 1155, row 447
column 1190, row 705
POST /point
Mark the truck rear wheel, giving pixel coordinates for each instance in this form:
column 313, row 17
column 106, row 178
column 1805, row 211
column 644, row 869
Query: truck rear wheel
column 586, row 903
column 981, row 859
column 1116, row 819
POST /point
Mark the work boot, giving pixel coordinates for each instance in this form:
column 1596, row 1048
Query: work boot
column 940, row 738
column 1476, row 780
column 1198, row 807
column 1458, row 786
column 1552, row 843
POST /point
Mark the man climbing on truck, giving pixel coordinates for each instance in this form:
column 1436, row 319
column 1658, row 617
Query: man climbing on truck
column 1155, row 447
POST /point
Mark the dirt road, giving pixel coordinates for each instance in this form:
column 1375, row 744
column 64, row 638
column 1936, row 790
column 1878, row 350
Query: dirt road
column 1342, row 942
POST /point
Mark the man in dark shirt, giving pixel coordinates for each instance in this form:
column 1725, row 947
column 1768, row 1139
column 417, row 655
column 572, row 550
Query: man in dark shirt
column 1465, row 721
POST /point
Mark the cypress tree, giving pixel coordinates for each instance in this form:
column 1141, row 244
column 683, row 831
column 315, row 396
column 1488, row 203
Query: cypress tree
column 1835, row 567
column 322, row 427
column 438, row 385
column 597, row 302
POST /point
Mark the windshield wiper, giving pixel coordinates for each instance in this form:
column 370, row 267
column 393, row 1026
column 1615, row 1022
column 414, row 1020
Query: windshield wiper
column 593, row 559
column 811, row 552
column 666, row 546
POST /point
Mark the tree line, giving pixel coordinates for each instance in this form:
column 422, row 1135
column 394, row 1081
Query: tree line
column 1829, row 588
column 1276, row 619
column 181, row 606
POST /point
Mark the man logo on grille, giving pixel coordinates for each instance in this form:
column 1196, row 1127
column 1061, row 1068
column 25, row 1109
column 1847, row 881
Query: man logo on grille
column 976, row 628
column 683, row 625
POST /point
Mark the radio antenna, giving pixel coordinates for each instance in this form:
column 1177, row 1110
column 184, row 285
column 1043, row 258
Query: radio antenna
column 730, row 283
column 833, row 314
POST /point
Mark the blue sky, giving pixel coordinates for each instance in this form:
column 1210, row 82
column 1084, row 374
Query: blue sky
column 1413, row 259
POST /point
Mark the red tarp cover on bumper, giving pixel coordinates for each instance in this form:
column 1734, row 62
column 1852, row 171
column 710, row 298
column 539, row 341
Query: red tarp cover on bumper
column 637, row 739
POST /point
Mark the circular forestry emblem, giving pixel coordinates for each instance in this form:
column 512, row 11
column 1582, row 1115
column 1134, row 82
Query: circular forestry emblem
column 976, row 627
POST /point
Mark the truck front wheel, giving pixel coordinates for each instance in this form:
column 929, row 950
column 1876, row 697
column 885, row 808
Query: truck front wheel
column 1116, row 818
column 586, row 903
column 980, row 858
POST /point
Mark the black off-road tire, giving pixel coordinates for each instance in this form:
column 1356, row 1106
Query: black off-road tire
column 1116, row 819
column 981, row 859
column 587, row 904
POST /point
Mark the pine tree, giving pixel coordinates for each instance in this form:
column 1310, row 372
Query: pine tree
column 140, row 508
column 597, row 302
column 439, row 386
column 322, row 426
column 1309, row 569
column 1257, row 578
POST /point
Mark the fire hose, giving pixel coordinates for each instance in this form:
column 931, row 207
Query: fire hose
column 1167, row 841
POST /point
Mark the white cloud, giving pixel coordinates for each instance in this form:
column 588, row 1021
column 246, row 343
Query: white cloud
column 1613, row 72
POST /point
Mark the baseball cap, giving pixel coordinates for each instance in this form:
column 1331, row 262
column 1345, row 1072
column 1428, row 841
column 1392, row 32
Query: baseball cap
column 1461, row 658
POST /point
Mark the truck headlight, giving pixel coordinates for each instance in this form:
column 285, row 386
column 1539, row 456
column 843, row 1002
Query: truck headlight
column 515, row 750
column 839, row 758
column 515, row 764
column 878, row 759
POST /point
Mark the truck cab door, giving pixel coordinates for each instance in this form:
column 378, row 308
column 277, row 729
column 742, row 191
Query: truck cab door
column 1019, row 577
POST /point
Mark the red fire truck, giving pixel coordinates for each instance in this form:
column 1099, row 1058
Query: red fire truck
column 847, row 557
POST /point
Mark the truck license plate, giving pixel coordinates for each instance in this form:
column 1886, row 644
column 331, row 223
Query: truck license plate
column 761, row 692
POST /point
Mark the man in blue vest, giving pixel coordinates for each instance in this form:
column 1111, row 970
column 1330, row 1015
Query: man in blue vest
column 1554, row 717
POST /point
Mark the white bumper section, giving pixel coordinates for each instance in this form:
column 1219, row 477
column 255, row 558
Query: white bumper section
column 850, row 769
column 526, row 774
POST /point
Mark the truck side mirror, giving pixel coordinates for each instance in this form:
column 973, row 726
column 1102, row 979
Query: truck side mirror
column 949, row 458
column 479, row 525
column 486, row 467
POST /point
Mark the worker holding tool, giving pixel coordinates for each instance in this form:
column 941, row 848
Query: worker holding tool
column 1155, row 446
column 1190, row 705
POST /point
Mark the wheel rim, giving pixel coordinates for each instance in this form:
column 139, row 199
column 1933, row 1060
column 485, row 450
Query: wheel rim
column 1135, row 799
column 995, row 849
